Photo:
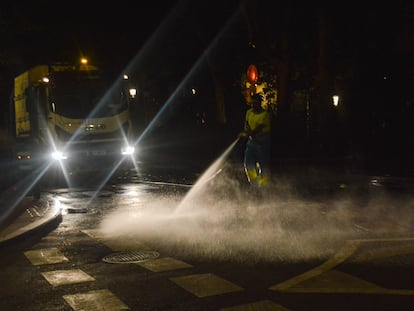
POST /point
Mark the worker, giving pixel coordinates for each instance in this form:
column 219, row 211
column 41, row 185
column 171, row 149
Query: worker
column 256, row 130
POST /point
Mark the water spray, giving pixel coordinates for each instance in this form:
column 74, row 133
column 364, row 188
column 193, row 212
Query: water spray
column 212, row 171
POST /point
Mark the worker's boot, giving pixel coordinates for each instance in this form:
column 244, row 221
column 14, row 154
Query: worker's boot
column 252, row 176
column 262, row 180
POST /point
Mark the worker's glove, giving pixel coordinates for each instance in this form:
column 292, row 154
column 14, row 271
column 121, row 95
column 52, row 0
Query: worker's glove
column 243, row 135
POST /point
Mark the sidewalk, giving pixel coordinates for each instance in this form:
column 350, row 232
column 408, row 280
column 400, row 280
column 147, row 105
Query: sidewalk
column 30, row 216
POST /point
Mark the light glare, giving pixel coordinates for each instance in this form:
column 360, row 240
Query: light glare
column 128, row 150
column 58, row 155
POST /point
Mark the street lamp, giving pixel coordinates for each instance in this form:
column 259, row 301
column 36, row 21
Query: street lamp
column 335, row 100
column 133, row 92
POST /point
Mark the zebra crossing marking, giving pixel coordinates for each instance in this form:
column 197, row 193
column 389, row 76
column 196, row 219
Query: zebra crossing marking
column 90, row 301
column 45, row 256
column 64, row 277
column 207, row 284
column 164, row 264
column 95, row 300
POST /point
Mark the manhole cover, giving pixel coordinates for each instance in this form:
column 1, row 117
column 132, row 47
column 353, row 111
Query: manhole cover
column 129, row 257
column 76, row 210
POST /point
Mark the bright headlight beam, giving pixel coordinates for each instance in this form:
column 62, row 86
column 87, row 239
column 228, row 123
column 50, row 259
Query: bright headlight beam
column 58, row 155
column 128, row 150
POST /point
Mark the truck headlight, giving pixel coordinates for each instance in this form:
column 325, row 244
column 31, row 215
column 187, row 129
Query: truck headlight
column 59, row 155
column 128, row 150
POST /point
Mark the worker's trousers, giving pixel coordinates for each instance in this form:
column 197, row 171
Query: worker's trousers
column 257, row 162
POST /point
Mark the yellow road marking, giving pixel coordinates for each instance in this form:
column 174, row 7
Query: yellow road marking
column 338, row 258
column 344, row 253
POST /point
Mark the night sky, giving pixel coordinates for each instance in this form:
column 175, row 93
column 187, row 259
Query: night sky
column 110, row 34
column 47, row 30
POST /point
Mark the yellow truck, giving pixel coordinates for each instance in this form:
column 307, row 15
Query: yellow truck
column 69, row 119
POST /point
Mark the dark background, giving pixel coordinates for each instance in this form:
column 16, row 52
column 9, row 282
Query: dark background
column 360, row 50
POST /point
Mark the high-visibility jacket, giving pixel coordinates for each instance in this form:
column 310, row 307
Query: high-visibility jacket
column 254, row 119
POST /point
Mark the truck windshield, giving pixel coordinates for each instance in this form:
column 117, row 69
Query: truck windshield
column 81, row 95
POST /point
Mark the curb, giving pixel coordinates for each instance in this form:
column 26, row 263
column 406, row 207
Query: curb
column 51, row 220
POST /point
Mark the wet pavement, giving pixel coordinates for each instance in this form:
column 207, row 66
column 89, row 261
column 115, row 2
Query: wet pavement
column 194, row 285
column 32, row 214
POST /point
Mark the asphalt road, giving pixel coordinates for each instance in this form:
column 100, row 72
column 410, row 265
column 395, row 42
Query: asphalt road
column 145, row 242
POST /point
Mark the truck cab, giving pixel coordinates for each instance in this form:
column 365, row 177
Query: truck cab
column 70, row 120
